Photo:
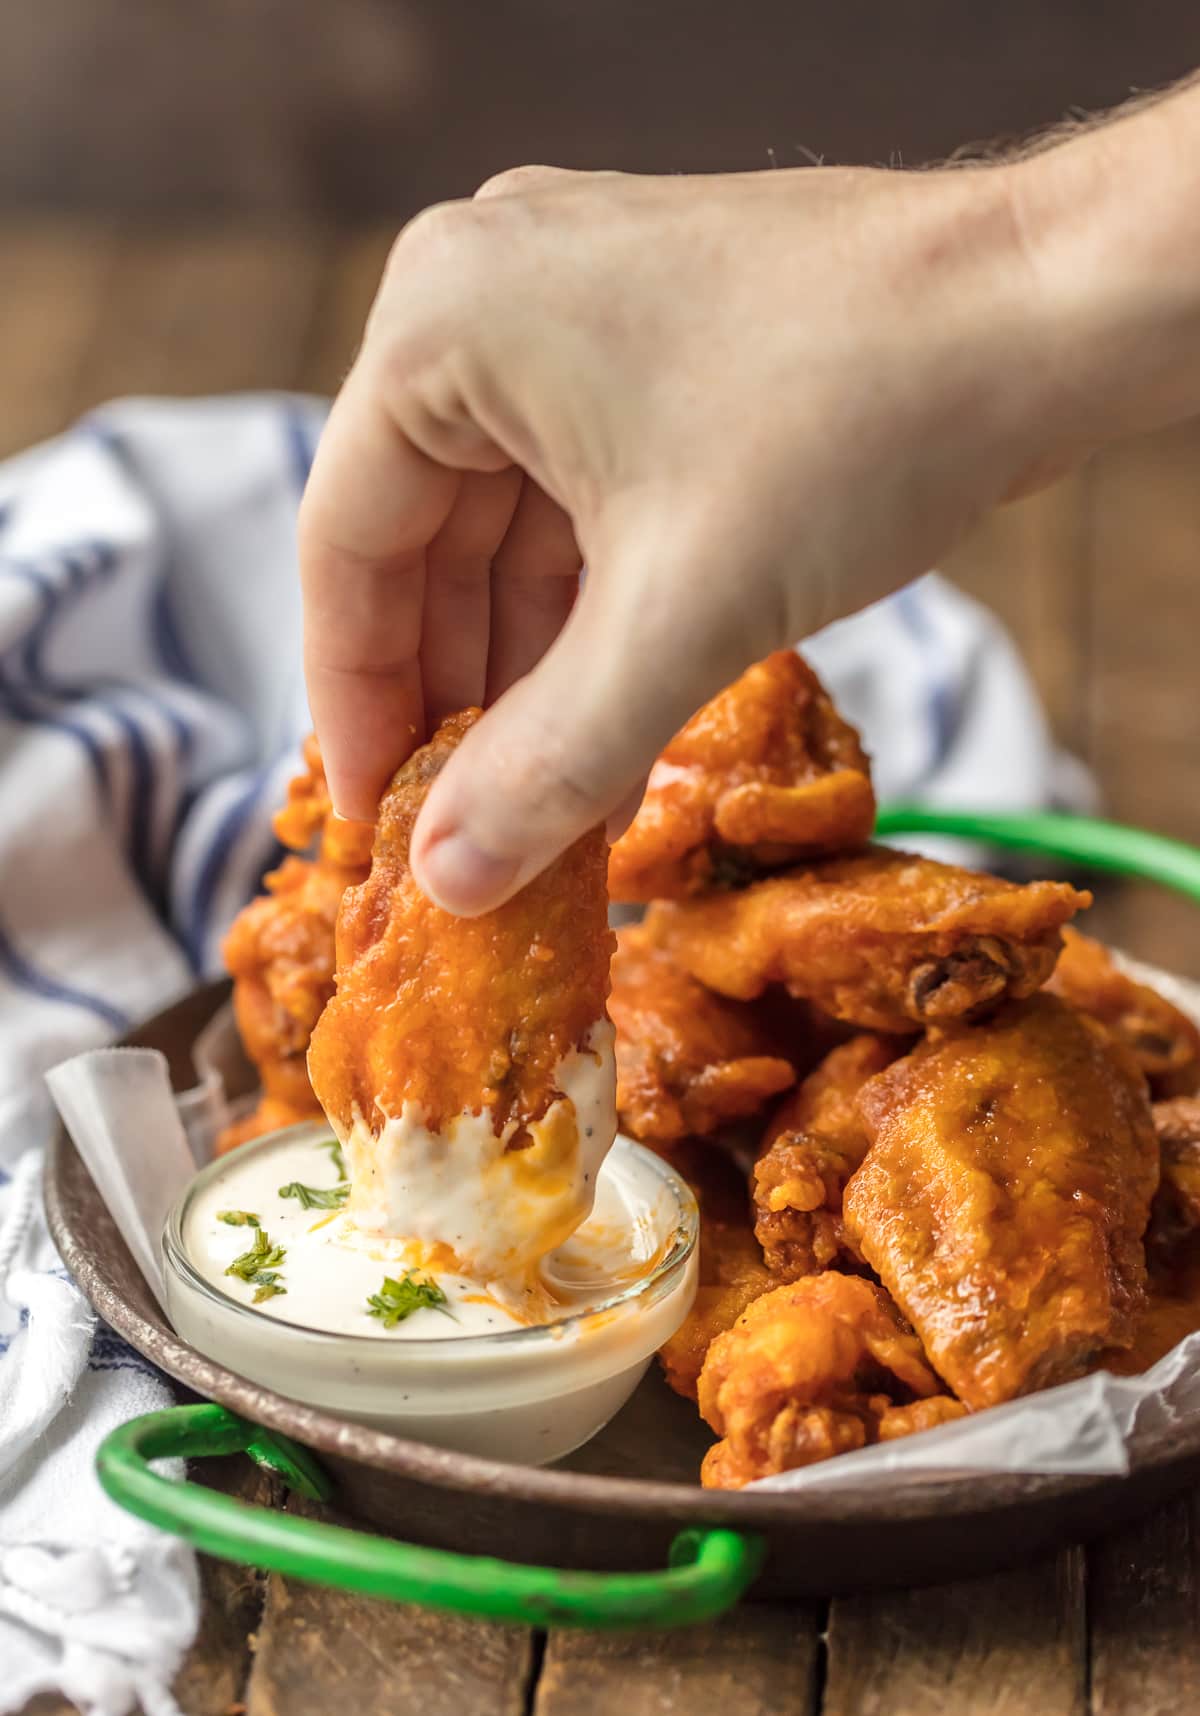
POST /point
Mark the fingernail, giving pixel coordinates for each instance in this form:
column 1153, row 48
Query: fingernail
column 460, row 877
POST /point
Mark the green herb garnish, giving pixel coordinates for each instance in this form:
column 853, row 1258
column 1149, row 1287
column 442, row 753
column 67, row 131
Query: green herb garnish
column 317, row 1197
column 399, row 1299
column 339, row 1161
column 259, row 1267
column 238, row 1218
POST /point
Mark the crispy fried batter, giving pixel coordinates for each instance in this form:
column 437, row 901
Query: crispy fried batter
column 1165, row 1041
column 766, row 773
column 884, row 940
column 815, row 1141
column 1176, row 1211
column 809, row 1370
column 732, row 1272
column 688, row 1061
column 458, row 1015
column 1005, row 1195
column 918, row 1415
column 279, row 950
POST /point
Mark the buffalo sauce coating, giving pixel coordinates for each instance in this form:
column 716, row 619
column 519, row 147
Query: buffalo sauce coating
column 279, row 949
column 1163, row 1040
column 765, row 772
column 458, row 1015
column 1005, row 1195
column 886, row 940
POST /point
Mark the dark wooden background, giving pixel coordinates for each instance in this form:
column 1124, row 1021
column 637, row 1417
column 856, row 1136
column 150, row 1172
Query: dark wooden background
column 364, row 108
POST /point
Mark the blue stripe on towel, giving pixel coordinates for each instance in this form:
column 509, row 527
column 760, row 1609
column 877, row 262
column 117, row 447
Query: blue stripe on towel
column 301, row 445
column 26, row 976
column 198, row 924
column 18, row 708
column 942, row 700
column 55, row 596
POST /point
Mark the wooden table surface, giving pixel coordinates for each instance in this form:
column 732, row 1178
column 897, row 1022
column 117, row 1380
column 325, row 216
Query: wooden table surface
column 1099, row 580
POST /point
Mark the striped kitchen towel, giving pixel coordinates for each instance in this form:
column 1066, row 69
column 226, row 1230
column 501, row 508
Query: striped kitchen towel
column 151, row 706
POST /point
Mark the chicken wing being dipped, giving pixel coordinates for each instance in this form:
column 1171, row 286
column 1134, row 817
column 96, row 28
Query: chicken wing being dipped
column 814, row 1368
column 731, row 1268
column 1005, row 1194
column 765, row 774
column 689, row 1061
column 280, row 950
column 1165, row 1041
column 883, row 940
column 815, row 1141
column 466, row 1064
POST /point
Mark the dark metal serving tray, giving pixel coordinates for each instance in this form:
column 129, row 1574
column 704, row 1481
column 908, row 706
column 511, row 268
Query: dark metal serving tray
column 618, row 1502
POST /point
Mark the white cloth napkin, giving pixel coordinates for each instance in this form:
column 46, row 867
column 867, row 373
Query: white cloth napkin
column 150, row 710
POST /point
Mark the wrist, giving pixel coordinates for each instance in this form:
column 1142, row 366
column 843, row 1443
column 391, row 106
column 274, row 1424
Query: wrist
column 1109, row 227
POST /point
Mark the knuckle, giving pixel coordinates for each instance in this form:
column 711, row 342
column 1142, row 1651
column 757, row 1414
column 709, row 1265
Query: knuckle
column 436, row 236
column 514, row 179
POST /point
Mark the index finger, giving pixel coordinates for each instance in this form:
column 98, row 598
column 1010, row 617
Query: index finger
column 373, row 504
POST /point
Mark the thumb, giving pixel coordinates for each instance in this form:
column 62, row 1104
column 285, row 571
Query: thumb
column 567, row 745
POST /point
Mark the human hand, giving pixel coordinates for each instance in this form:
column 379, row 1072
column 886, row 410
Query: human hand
column 750, row 403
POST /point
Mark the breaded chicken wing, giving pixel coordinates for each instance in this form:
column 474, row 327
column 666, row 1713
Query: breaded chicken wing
column 815, row 1141
column 279, row 949
column 1176, row 1211
column 884, row 940
column 466, row 1063
column 765, row 774
column 731, row 1269
column 1165, row 1041
column 688, row 1061
column 809, row 1370
column 1005, row 1194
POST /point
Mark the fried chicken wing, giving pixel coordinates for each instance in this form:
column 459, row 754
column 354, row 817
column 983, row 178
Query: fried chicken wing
column 765, row 774
column 688, row 1061
column 815, row 1141
column 809, row 1370
column 884, row 940
column 466, row 1063
column 1175, row 1214
column 1005, row 1194
column 1164, row 1040
column 279, row 949
column 731, row 1268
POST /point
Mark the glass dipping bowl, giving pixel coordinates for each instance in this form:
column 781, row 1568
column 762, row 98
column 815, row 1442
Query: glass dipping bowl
column 525, row 1394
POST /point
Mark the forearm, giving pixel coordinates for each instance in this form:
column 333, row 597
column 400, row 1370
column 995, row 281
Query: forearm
column 1109, row 223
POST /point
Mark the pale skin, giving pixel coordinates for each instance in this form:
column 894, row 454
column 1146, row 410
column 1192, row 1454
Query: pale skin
column 749, row 403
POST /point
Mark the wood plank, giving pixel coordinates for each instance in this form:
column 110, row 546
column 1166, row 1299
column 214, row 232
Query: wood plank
column 761, row 1661
column 1144, row 544
column 214, row 1673
column 1028, row 563
column 1009, row 1645
column 320, row 1651
column 1144, row 1609
column 208, row 311
column 1144, row 715
column 53, row 275
column 354, row 267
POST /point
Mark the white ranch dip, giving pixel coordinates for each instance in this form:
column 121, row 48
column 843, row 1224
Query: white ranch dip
column 330, row 1266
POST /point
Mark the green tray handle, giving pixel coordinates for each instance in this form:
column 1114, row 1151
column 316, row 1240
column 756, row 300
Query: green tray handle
column 1079, row 839
column 708, row 1571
